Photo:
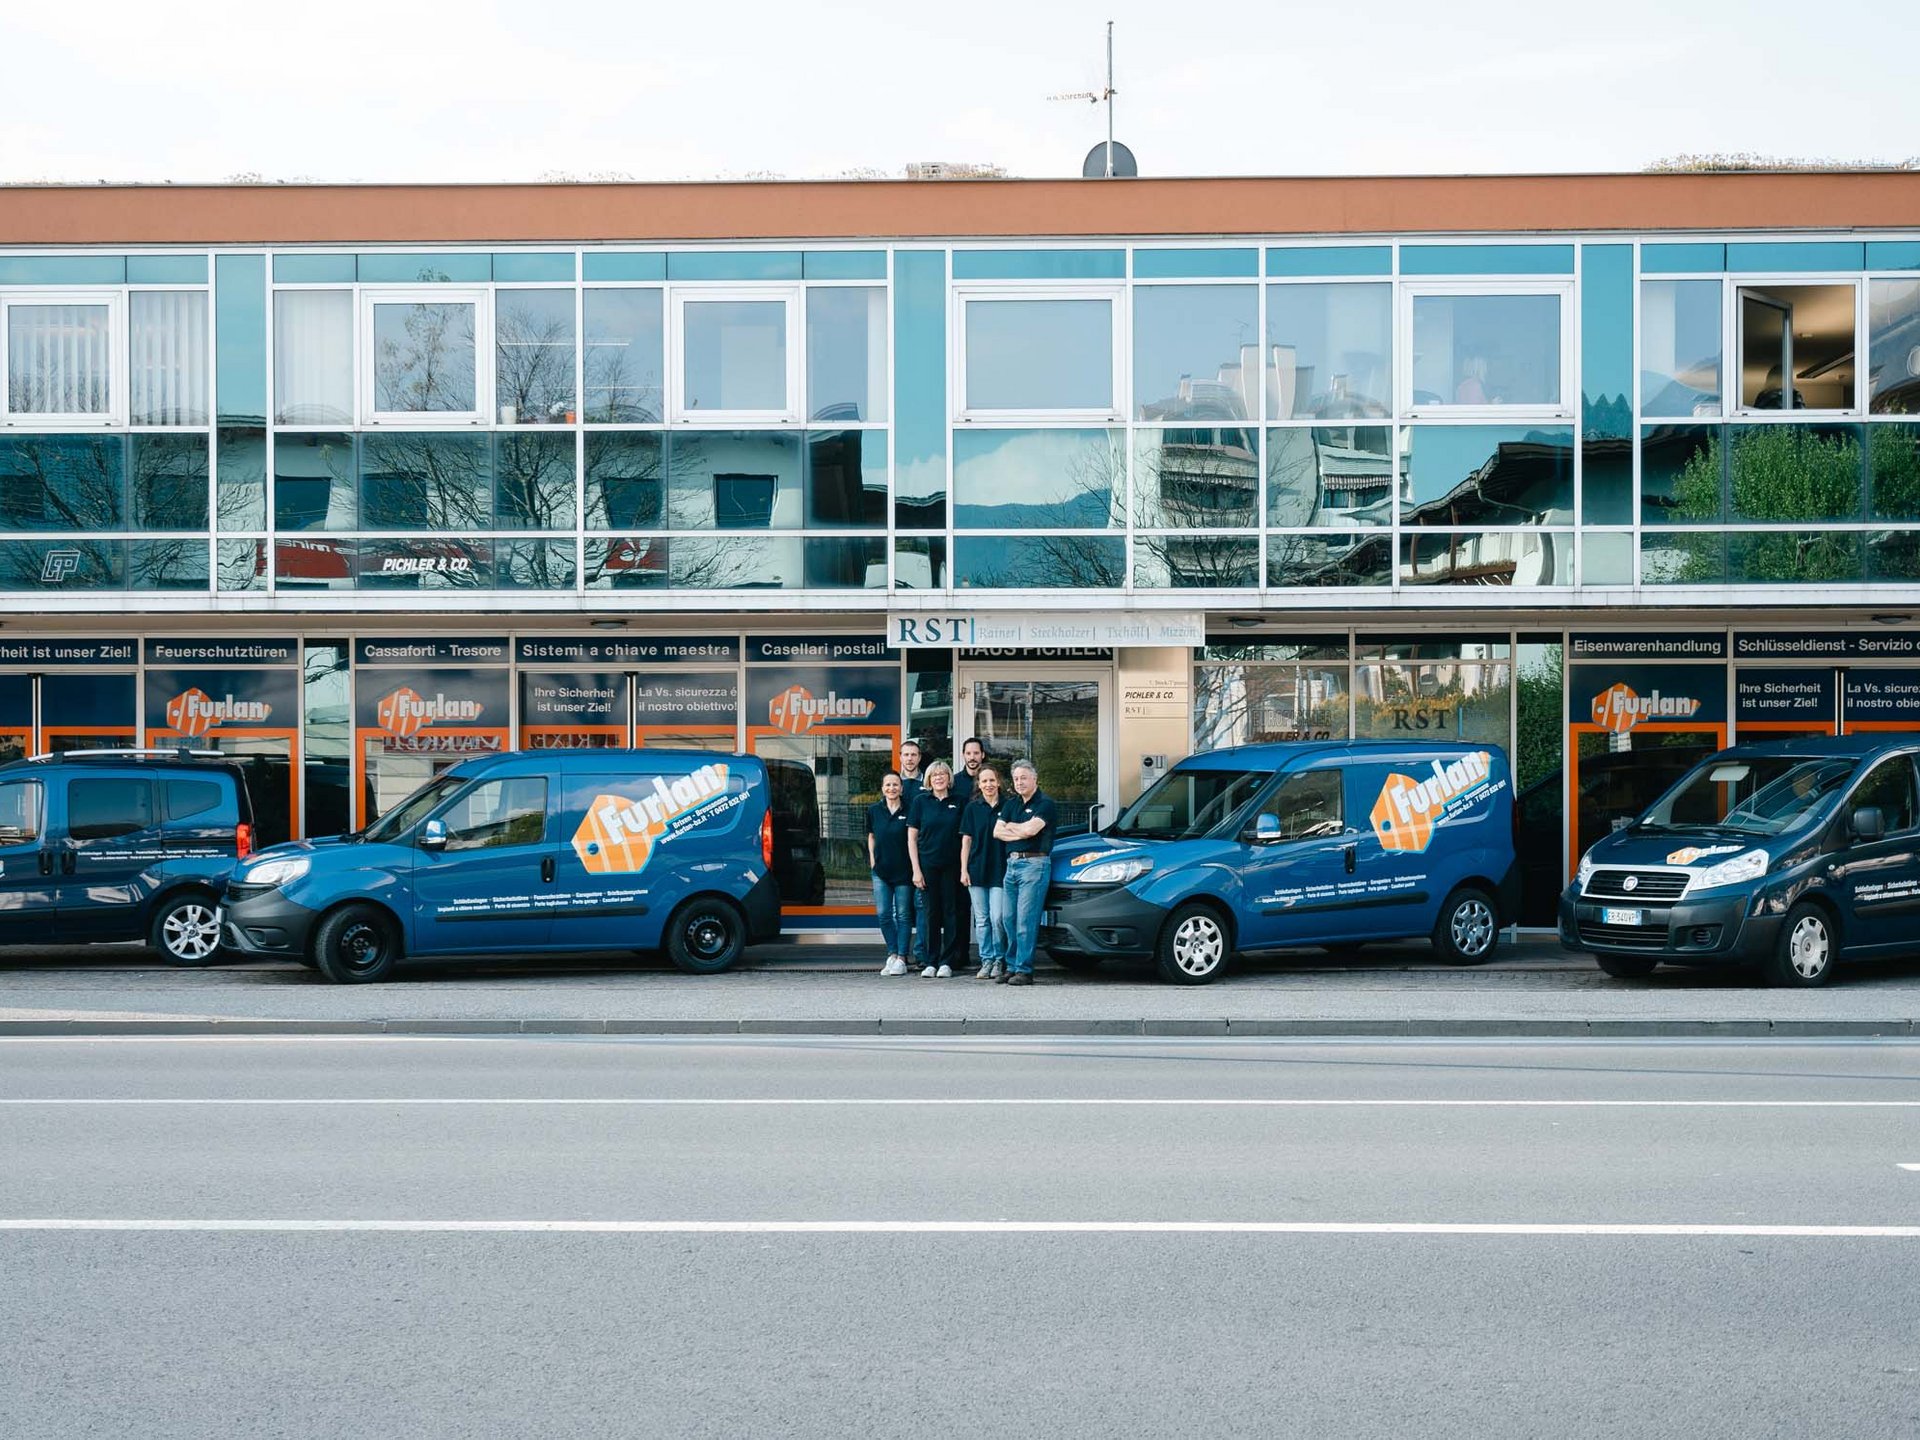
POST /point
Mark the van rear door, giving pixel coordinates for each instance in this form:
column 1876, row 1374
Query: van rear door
column 1421, row 820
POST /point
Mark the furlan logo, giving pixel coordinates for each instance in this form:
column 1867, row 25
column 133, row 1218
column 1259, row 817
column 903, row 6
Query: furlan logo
column 1408, row 809
column 797, row 710
column 407, row 712
column 618, row 833
column 1619, row 709
column 194, row 712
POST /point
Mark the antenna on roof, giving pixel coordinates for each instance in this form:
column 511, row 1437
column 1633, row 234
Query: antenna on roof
column 1104, row 162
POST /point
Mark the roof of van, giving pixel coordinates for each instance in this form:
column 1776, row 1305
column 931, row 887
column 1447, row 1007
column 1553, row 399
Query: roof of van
column 1276, row 753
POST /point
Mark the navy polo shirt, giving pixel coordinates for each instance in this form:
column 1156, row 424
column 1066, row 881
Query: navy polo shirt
column 1020, row 811
column 891, row 862
column 963, row 786
column 986, row 856
column 938, row 822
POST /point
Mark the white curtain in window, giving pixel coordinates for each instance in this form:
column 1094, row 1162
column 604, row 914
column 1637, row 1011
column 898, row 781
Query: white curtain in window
column 167, row 335
column 57, row 359
column 313, row 357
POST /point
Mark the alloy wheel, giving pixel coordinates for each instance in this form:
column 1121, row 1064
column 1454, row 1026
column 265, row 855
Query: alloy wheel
column 1473, row 927
column 1199, row 945
column 189, row 931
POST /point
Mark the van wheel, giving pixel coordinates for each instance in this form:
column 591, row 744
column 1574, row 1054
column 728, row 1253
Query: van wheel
column 1468, row 930
column 356, row 945
column 706, row 936
column 1194, row 946
column 1803, row 955
column 1627, row 967
column 183, row 930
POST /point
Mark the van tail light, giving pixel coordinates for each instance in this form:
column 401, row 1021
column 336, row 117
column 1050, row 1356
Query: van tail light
column 242, row 840
column 766, row 839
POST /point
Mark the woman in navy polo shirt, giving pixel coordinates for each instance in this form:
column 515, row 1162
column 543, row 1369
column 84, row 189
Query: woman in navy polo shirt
column 892, row 868
column 933, row 841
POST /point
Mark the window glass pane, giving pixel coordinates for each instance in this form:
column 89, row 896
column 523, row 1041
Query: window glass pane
column 58, row 359
column 1329, row 351
column 187, row 798
column 1606, row 341
column 626, row 479
column 920, row 562
column 1306, row 806
column 169, row 482
column 1488, row 475
column 1807, row 329
column 735, row 355
column 1051, row 562
column 102, row 809
column 1194, row 352
column 1794, row 558
column 1796, row 472
column 846, row 479
column 240, row 313
column 313, row 357
column 1486, row 350
column 1893, row 328
column 1683, row 558
column 1606, row 481
column 314, row 483
column 426, row 482
column 624, row 368
column 1338, row 475
column 421, row 564
column 1181, row 562
column 167, row 380
column 533, row 356
column 847, row 353
column 1606, row 558
column 920, row 389
column 1507, row 557
column 1200, row 479
column 533, row 481
column 733, row 479
column 1893, row 555
column 1682, row 473
column 1431, row 702
column 241, row 466
column 1894, row 457
column 850, row 562
column 242, row 564
column 737, row 562
column 19, row 812
column 63, row 482
column 1039, row 354
column 1312, row 561
column 168, row 564
column 498, row 813
column 423, row 357
column 533, row 564
column 1038, row 479
column 63, row 565
column 1254, row 704
column 1680, row 347
column 328, row 739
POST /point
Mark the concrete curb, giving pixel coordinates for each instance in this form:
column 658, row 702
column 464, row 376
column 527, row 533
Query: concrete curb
column 1474, row 1029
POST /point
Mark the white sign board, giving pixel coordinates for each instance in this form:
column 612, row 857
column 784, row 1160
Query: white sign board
column 1032, row 630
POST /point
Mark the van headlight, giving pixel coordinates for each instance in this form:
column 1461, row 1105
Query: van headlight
column 1114, row 872
column 1586, row 870
column 1750, row 866
column 274, row 873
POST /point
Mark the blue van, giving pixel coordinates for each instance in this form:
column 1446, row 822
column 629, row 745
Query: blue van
column 534, row 852
column 1271, row 847
column 1785, row 856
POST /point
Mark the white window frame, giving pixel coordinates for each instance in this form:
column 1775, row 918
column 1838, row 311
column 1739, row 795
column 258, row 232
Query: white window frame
column 1121, row 393
column 678, row 298
column 1733, row 377
column 481, row 298
column 1562, row 409
column 118, row 364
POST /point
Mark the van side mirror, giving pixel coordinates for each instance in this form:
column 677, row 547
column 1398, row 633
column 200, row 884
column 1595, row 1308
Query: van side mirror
column 1266, row 829
column 433, row 835
column 1869, row 823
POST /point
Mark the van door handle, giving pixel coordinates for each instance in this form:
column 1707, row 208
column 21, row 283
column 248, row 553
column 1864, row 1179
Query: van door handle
column 46, row 862
column 1353, row 857
column 68, row 864
column 546, row 869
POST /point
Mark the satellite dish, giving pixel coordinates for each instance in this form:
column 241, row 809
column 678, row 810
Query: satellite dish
column 1094, row 167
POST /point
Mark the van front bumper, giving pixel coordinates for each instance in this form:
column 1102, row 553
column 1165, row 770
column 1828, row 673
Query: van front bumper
column 1715, row 931
column 266, row 926
column 1100, row 922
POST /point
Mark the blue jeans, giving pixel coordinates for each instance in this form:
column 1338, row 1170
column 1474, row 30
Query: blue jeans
column 1027, row 880
column 894, row 905
column 989, row 921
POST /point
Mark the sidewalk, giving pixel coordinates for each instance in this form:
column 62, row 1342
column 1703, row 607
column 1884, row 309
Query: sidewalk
column 1535, row 989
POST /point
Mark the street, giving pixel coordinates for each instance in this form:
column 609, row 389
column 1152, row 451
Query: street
column 625, row 1236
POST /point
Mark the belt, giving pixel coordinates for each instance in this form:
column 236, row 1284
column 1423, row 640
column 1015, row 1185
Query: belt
column 1026, row 855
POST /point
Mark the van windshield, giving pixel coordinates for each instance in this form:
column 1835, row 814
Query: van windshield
column 1756, row 795
column 1186, row 803
column 409, row 811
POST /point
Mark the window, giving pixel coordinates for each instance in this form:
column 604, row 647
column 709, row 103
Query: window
column 1194, row 352
column 1479, row 350
column 1889, row 785
column 424, row 361
column 497, row 813
column 743, row 502
column 533, row 357
column 737, row 355
column 624, row 365
column 1306, row 805
column 1036, row 353
column 167, row 376
column 57, row 358
column 187, row 798
column 19, row 812
column 1802, row 331
column 1680, row 348
column 104, row 809
column 313, row 357
column 846, row 353
column 1893, row 325
column 1329, row 351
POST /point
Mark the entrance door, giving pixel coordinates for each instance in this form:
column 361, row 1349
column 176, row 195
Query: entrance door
column 1061, row 718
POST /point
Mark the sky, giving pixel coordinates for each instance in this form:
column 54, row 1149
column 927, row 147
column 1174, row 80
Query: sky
column 414, row 90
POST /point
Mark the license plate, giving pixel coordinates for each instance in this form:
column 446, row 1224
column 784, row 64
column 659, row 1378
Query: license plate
column 1049, row 919
column 1611, row 916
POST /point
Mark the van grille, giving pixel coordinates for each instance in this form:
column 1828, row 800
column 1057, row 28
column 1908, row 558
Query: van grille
column 1652, row 886
column 1625, row 937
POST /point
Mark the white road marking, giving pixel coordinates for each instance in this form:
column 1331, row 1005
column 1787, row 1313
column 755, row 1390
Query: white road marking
column 966, row 1227
column 996, row 1101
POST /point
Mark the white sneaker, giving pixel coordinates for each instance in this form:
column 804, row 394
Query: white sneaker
column 945, row 972
column 895, row 966
column 929, row 973
column 887, row 968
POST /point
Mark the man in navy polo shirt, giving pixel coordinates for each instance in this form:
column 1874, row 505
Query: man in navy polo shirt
column 1028, row 829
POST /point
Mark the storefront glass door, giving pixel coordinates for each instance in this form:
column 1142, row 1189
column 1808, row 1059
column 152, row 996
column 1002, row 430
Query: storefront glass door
column 1062, row 720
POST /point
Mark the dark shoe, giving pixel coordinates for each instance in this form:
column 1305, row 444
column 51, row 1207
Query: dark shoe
column 1020, row 978
column 1002, row 977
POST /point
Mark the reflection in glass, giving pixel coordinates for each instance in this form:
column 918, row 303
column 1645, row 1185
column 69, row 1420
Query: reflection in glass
column 626, row 480
column 425, row 482
column 240, row 317
column 423, row 358
column 920, row 562
column 1039, row 562
column 1476, row 350
column 167, row 564
column 1539, row 827
column 1313, row 561
column 1680, row 347
column 735, row 355
column 424, row 564
column 1039, row 355
column 846, row 562
column 1802, row 330
column 169, row 475
column 63, row 565
column 920, row 389
column 1606, row 558
column 240, row 459
column 1258, row 704
column 63, row 482
column 328, row 736
column 1194, row 352
column 1038, row 479
column 846, row 479
column 1606, row 342
column 533, row 357
column 1200, row 479
column 1488, row 475
column 1432, row 702
column 1893, row 555
column 1893, row 355
column 847, row 353
column 1606, row 481
column 300, row 564
column 242, row 565
column 1330, row 475
column 58, row 360
column 533, row 481
column 1800, row 557
column 167, row 348
column 533, row 564
column 314, row 484
column 737, row 562
column 1681, row 557
column 1794, row 472
column 1329, row 351
column 1427, row 647
column 623, row 356
column 734, row 480
column 1506, row 557
column 1682, row 473
column 312, row 357
column 1894, row 470
column 1185, row 561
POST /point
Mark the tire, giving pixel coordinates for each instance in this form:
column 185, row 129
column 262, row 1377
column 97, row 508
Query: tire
column 1194, row 947
column 183, row 930
column 356, row 945
column 1626, row 967
column 1803, row 956
column 706, row 935
column 1074, row 962
column 1468, row 930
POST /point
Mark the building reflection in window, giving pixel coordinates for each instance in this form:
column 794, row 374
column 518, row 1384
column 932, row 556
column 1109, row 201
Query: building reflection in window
column 1488, row 475
column 1330, row 475
column 1200, row 479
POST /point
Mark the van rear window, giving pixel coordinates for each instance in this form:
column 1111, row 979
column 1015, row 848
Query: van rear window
column 103, row 809
column 187, row 798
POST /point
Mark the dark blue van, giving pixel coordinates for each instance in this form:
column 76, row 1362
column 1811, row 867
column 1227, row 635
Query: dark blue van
column 535, row 852
column 1271, row 847
column 1785, row 856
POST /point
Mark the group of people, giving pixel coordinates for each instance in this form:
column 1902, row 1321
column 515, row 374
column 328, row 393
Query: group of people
column 959, row 855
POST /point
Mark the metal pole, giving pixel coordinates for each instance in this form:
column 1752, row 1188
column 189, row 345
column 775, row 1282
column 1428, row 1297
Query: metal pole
column 1109, row 99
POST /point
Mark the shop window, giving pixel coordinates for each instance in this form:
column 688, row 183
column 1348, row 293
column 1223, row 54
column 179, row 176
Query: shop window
column 533, row 357
column 1478, row 350
column 1431, row 701
column 1796, row 347
column 1680, row 348
column 1893, row 357
column 1035, row 353
column 847, row 353
column 1340, row 475
column 57, row 354
column 1255, row 704
column 623, row 357
column 169, row 357
column 424, row 362
column 1329, row 351
column 312, row 357
column 1204, row 479
column 1195, row 354
column 737, row 356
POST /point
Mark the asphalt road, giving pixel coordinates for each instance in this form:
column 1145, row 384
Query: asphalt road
column 599, row 1236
